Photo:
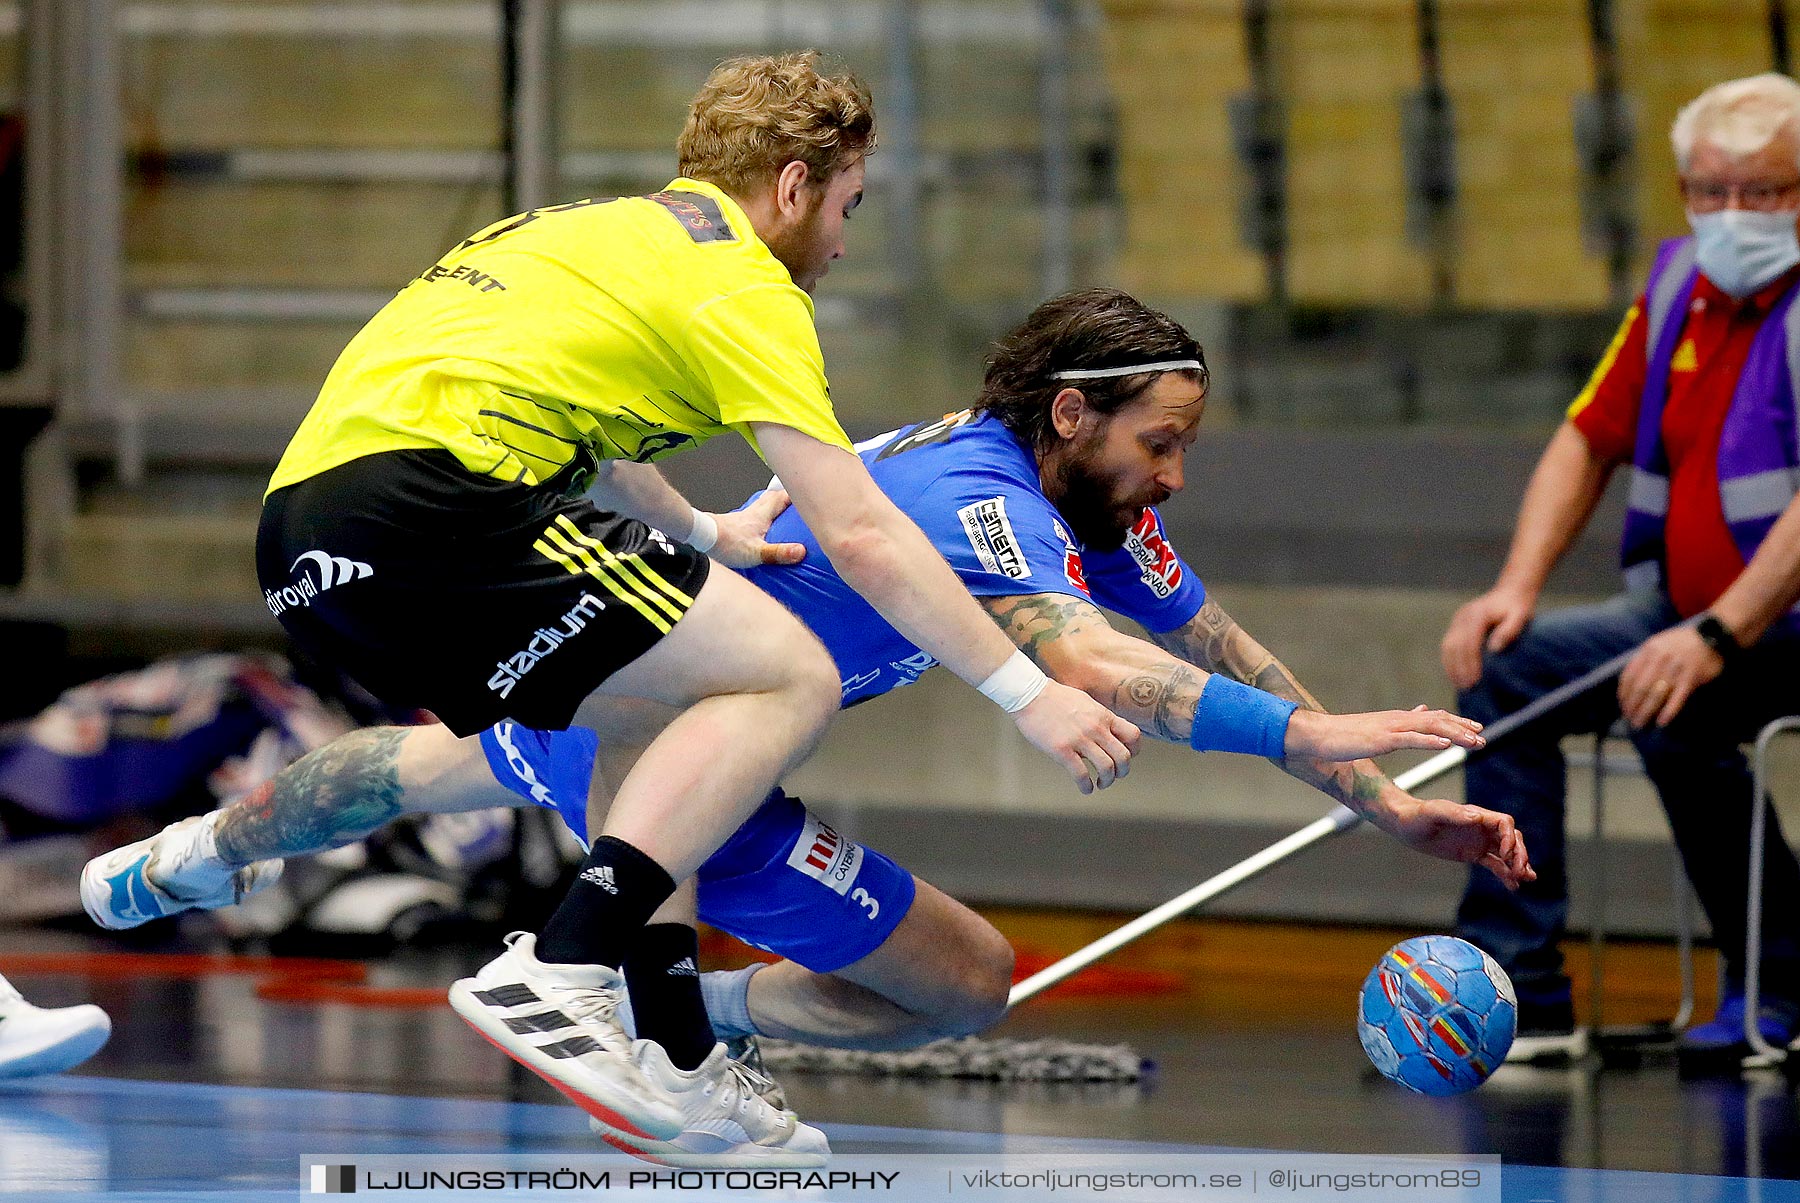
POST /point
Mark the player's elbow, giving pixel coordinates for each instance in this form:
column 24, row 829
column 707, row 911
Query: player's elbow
column 864, row 554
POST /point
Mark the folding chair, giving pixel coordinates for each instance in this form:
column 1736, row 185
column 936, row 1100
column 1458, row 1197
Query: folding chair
column 1763, row 1054
column 1613, row 762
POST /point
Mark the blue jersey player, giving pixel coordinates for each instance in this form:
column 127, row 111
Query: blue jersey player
column 1043, row 499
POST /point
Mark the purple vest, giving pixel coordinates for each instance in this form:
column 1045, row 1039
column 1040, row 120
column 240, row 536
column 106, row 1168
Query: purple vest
column 1759, row 460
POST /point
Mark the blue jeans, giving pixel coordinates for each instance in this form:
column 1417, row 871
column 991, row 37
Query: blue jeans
column 1696, row 764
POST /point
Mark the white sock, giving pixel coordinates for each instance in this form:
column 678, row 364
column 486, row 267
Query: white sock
column 627, row 1019
column 727, row 997
column 206, row 838
column 192, row 868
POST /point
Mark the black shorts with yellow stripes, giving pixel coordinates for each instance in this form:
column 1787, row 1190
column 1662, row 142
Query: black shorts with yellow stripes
column 475, row 599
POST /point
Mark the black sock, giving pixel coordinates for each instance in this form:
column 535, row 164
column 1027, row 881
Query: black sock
column 663, row 974
column 615, row 894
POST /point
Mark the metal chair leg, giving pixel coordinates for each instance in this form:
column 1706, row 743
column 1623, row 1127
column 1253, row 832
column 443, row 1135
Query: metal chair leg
column 1597, row 922
column 1684, row 914
column 1684, row 943
column 1763, row 1053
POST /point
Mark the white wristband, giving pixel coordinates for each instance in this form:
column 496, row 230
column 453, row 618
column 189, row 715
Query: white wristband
column 705, row 532
column 1015, row 684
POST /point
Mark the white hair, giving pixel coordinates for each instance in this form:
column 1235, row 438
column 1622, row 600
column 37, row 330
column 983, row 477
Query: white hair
column 1740, row 116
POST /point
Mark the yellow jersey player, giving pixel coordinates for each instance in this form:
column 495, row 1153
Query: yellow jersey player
column 427, row 530
column 1078, row 437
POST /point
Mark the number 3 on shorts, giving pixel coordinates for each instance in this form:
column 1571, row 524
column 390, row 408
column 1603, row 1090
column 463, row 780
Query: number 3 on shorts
column 861, row 897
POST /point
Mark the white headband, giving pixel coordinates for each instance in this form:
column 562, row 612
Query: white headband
column 1167, row 365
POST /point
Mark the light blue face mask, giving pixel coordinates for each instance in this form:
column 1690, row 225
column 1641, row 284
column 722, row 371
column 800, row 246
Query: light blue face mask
column 1741, row 250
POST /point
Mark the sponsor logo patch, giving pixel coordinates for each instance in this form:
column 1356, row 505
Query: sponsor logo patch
column 544, row 640
column 1157, row 562
column 991, row 535
column 480, row 281
column 698, row 214
column 913, row 667
column 326, row 571
column 1073, row 570
column 824, row 855
column 602, row 876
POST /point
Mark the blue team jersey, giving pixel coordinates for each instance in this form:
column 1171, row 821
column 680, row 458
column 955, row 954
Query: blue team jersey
column 973, row 489
column 784, row 881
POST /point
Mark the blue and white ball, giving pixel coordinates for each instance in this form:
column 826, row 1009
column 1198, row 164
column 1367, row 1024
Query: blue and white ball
column 1436, row 1015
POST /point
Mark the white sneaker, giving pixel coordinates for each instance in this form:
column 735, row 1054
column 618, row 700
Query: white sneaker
column 46, row 1040
column 747, row 1052
column 561, row 1022
column 166, row 874
column 726, row 1118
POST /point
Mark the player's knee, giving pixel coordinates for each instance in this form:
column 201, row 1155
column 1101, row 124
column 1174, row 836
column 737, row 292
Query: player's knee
column 813, row 682
column 982, row 979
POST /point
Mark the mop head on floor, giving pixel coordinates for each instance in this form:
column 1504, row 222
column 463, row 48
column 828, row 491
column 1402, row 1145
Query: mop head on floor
column 969, row 1057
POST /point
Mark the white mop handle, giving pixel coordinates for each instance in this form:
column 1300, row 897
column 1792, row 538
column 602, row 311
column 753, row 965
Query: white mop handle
column 1340, row 818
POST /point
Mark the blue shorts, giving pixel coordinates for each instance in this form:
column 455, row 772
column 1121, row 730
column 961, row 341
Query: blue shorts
column 784, row 882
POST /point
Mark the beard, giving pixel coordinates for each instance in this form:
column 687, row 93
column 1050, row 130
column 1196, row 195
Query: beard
column 797, row 248
column 1097, row 510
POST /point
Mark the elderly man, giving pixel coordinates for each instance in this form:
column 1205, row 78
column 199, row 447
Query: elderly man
column 1696, row 396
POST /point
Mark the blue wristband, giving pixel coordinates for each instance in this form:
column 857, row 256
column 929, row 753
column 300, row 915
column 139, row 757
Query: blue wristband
column 1233, row 717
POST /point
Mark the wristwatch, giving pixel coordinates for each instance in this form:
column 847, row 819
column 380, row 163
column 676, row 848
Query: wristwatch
column 1718, row 637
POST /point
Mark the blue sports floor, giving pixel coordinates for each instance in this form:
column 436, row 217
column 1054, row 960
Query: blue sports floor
column 221, row 1074
column 85, row 1138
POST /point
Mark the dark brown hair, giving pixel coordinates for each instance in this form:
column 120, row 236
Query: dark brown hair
column 755, row 114
column 1089, row 328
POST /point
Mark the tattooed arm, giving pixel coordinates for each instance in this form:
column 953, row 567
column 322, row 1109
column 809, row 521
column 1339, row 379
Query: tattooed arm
column 1158, row 685
column 1213, row 640
column 1158, row 688
column 1071, row 641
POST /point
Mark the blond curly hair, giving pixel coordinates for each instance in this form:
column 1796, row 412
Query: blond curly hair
column 757, row 113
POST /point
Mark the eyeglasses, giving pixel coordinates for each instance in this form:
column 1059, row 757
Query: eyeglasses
column 1709, row 196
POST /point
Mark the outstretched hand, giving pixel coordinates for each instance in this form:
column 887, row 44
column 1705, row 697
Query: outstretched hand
column 742, row 539
column 1315, row 735
column 1460, row 832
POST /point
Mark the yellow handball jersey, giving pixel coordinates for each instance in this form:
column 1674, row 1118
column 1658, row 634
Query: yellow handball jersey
column 633, row 327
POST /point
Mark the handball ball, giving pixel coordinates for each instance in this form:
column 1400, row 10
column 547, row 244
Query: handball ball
column 1436, row 1015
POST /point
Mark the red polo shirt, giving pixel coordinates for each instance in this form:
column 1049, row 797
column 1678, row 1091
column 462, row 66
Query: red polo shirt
column 1715, row 342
